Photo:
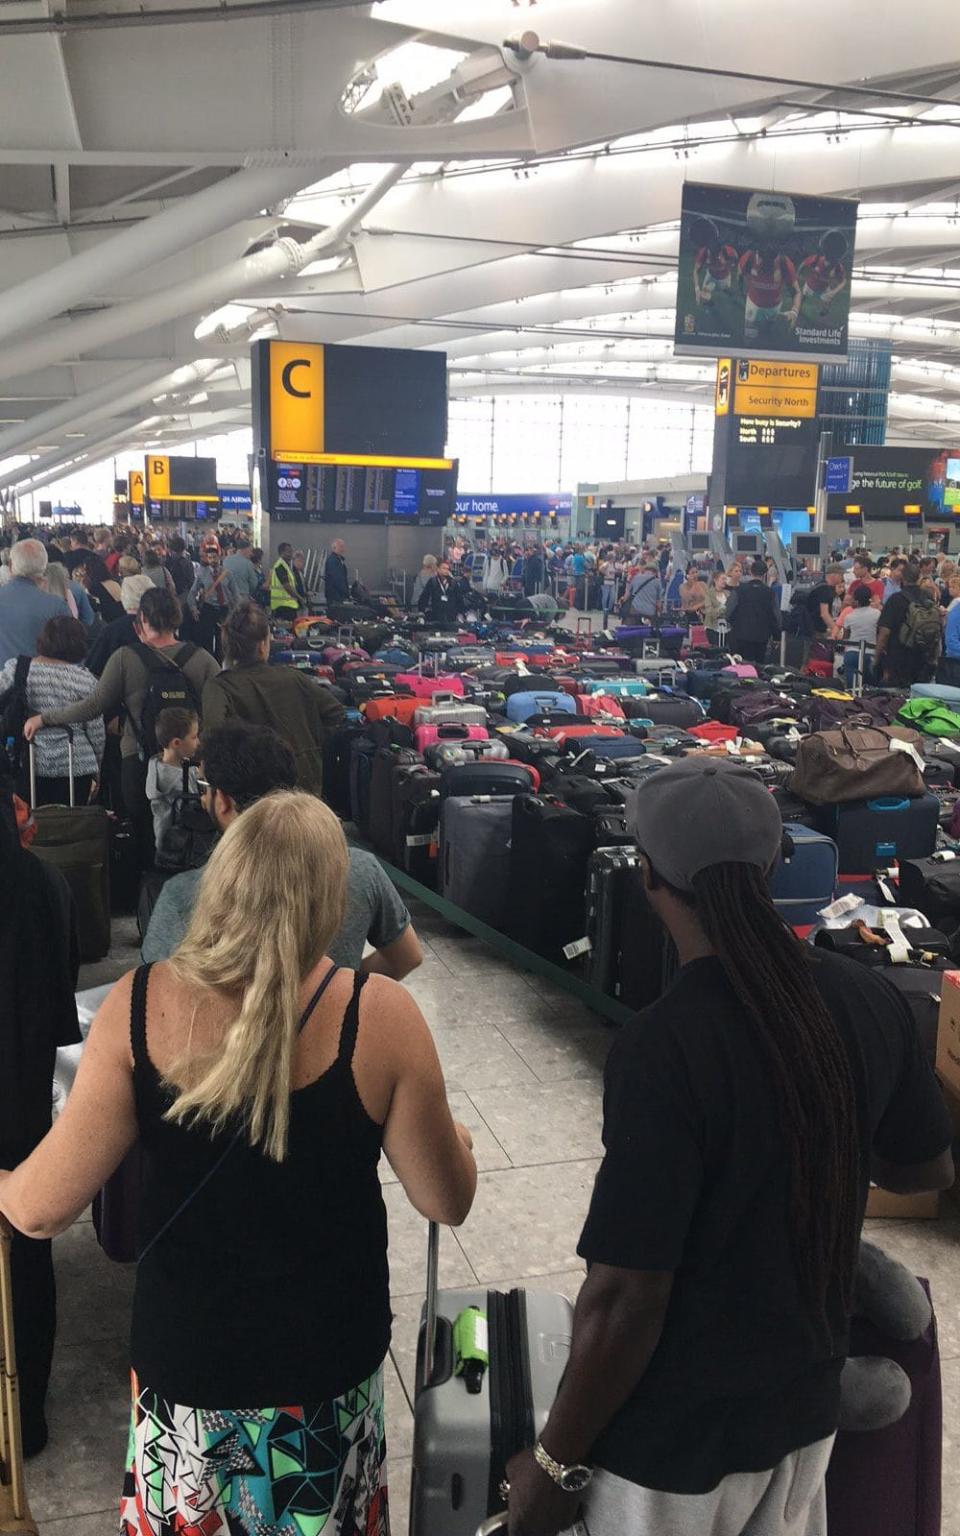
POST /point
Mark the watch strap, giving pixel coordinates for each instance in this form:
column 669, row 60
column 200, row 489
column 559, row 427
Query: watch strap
column 555, row 1470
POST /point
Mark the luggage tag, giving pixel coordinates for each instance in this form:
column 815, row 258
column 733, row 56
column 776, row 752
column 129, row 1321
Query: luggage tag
column 896, row 745
column 840, row 907
column 471, row 1348
column 577, row 948
column 883, row 878
column 899, row 948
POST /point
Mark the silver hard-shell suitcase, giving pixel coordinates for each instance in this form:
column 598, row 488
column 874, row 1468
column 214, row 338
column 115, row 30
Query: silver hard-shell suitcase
column 462, row 1440
column 447, row 709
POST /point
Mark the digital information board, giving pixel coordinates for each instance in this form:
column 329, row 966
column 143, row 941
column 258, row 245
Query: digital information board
column 180, row 489
column 766, row 432
column 352, row 434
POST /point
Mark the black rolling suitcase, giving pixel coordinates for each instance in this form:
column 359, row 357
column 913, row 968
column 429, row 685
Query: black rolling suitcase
column 381, row 827
column 416, row 819
column 632, row 957
column 551, row 844
column 76, row 838
column 488, row 1370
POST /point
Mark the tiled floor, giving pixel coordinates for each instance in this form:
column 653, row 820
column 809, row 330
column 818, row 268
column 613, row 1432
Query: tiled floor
column 523, row 1064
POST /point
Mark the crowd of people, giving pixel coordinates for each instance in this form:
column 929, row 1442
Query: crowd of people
column 263, row 1062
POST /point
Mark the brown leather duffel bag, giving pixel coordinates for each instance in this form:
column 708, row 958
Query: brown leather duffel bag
column 856, row 762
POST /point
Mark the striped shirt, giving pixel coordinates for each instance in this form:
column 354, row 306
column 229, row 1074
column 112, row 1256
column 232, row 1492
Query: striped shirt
column 52, row 685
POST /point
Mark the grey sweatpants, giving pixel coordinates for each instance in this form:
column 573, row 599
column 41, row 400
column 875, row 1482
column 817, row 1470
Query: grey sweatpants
column 788, row 1501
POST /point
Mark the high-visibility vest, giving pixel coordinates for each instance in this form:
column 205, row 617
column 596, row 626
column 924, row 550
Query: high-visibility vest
column 280, row 597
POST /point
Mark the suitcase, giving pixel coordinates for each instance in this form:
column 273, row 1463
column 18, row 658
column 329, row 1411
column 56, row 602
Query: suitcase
column 475, row 834
column 941, row 691
column 430, row 735
column 609, row 747
column 631, row 956
column 551, row 846
column 599, row 706
column 576, row 730
column 124, row 866
column 673, row 709
column 425, row 686
column 932, row 885
column 887, row 1481
column 520, row 706
column 395, row 656
column 872, row 832
column 616, row 687
column 445, row 754
column 449, row 709
column 76, row 839
column 380, row 825
column 416, row 818
column 15, row 1516
column 361, row 769
column 336, row 768
column 499, row 778
column 805, row 878
column 463, row 1439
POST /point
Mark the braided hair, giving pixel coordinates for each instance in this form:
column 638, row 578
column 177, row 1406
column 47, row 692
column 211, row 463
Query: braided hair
column 811, row 1069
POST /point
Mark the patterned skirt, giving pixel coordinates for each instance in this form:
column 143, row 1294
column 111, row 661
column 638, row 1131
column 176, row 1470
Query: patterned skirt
column 295, row 1471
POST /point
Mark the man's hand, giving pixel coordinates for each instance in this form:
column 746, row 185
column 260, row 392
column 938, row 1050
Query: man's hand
column 32, row 726
column 537, row 1506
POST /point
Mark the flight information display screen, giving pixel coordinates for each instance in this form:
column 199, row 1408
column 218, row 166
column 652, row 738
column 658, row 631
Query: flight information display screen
column 348, row 493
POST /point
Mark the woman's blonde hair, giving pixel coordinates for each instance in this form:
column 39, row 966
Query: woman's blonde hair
column 127, row 565
column 271, row 900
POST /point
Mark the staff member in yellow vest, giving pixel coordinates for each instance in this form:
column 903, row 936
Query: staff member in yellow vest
column 284, row 603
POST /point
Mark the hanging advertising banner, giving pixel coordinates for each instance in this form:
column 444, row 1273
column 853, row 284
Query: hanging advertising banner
column 765, row 273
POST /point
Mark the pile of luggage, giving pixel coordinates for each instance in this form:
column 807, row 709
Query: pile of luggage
column 496, row 765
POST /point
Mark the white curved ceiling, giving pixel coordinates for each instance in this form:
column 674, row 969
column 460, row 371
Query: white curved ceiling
column 146, row 148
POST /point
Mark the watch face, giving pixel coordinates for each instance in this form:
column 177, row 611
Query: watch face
column 575, row 1479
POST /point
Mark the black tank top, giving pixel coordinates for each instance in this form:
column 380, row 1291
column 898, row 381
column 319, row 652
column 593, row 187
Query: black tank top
column 271, row 1286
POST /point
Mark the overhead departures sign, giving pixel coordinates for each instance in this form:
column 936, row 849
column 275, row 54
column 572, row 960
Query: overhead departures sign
column 766, row 388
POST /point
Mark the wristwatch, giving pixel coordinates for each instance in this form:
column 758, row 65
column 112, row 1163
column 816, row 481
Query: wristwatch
column 570, row 1479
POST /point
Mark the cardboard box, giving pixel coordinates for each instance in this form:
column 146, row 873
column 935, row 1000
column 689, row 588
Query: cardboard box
column 948, row 1032
column 882, row 1205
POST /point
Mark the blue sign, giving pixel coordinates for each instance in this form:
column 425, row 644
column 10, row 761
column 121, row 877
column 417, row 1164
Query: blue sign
column 838, row 476
column 501, row 504
column 235, row 498
column 406, row 493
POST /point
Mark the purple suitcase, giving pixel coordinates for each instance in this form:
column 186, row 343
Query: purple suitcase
column 886, row 1482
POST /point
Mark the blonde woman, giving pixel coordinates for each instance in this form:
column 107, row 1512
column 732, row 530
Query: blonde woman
column 263, row 1083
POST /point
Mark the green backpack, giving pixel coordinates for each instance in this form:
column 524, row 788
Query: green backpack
column 931, row 716
column 921, row 629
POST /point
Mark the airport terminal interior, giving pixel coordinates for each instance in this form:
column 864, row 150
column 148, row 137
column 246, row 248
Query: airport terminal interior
column 480, row 647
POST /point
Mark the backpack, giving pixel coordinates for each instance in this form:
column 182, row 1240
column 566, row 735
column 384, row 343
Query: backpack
column 168, row 687
column 188, row 840
column 921, row 629
column 14, row 713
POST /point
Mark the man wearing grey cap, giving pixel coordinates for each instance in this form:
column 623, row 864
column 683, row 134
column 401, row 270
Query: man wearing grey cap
column 744, row 1115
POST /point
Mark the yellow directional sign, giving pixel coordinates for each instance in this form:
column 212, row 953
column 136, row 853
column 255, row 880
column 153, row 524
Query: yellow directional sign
column 158, row 477
column 296, row 400
column 135, row 488
column 765, row 388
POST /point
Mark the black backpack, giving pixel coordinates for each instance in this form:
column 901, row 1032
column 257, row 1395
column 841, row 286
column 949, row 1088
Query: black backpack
column 14, row 713
column 187, row 842
column 168, row 687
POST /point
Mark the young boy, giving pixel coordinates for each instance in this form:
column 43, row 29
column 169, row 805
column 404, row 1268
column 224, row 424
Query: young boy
column 178, row 736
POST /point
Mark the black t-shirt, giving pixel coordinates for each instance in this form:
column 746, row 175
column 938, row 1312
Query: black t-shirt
column 696, row 1180
column 905, row 663
column 823, row 594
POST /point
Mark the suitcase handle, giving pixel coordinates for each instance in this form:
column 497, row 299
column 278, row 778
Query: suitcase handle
column 11, row 1445
column 444, row 696
column 31, row 759
column 888, row 803
column 430, row 1319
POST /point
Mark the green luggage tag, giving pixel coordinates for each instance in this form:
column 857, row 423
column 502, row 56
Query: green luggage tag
column 471, row 1347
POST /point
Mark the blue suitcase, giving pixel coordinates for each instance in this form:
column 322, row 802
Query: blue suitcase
column 869, row 833
column 520, row 706
column 395, row 656
column 805, row 877
column 607, row 746
column 942, row 691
